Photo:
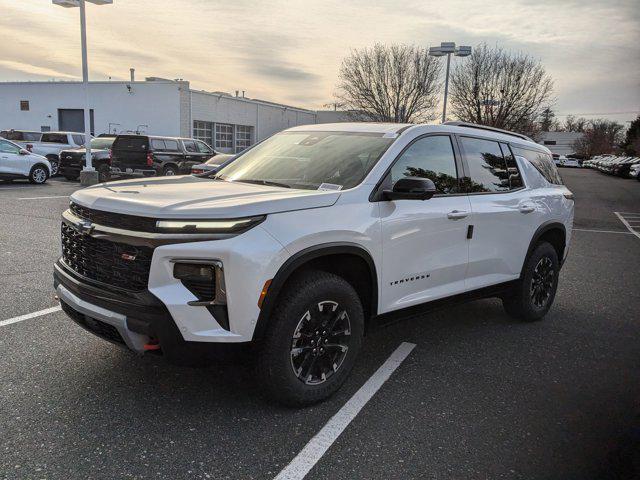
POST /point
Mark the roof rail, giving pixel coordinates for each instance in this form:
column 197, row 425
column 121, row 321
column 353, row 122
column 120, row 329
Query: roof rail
column 491, row 129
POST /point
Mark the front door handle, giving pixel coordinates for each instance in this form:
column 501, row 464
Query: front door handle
column 526, row 208
column 457, row 214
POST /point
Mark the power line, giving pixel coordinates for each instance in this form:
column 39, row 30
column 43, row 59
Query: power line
column 596, row 113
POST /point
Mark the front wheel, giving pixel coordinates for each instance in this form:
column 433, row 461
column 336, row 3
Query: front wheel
column 38, row 174
column 313, row 340
column 532, row 296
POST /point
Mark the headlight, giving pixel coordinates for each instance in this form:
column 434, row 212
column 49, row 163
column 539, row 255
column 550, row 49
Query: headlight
column 232, row 225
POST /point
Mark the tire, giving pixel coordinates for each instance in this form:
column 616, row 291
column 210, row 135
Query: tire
column 54, row 165
column 169, row 171
column 104, row 173
column 533, row 295
column 38, row 174
column 295, row 378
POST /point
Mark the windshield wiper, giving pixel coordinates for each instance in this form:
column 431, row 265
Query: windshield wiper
column 264, row 182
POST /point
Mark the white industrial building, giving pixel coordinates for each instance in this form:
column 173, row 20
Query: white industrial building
column 562, row 143
column 155, row 106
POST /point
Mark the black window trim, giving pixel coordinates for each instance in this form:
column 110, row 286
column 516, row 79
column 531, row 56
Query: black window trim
column 467, row 170
column 524, row 183
column 526, row 147
column 376, row 193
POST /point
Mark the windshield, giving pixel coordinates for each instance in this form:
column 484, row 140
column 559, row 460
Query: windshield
column 308, row 160
column 102, row 142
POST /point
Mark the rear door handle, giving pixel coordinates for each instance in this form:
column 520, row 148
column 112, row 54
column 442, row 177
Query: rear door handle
column 526, row 208
column 457, row 214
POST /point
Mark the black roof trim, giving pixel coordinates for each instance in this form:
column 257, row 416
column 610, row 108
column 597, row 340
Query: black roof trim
column 490, row 129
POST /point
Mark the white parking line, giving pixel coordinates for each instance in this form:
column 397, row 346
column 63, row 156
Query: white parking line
column 27, row 316
column 320, row 443
column 601, row 231
column 626, row 223
column 39, row 198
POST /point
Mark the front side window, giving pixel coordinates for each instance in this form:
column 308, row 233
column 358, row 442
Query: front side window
column 308, row 160
column 432, row 158
column 78, row 139
column 190, row 146
column 8, row 147
column 487, row 167
column 204, row 148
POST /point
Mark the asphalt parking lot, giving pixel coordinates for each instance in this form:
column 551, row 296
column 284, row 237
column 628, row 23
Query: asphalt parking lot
column 480, row 396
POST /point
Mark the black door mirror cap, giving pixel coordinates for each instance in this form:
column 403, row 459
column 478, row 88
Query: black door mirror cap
column 411, row 188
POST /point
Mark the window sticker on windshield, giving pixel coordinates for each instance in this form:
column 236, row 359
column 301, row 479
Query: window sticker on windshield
column 329, row 186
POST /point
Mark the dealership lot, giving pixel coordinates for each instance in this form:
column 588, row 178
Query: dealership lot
column 480, row 396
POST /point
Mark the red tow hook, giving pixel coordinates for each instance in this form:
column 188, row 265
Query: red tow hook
column 152, row 345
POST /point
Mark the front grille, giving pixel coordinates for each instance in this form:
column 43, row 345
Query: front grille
column 115, row 220
column 97, row 327
column 118, row 264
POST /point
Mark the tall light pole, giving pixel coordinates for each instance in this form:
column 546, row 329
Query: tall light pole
column 88, row 176
column 448, row 48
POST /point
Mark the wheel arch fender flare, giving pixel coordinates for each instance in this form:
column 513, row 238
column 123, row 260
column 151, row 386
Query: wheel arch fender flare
column 304, row 256
column 541, row 230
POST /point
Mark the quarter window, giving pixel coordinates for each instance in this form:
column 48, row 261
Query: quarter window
column 487, row 167
column 224, row 136
column 171, row 145
column 429, row 157
column 543, row 163
column 157, row 144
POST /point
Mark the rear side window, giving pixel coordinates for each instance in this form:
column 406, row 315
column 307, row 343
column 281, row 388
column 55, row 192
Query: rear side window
column 515, row 179
column 171, row 145
column 54, row 138
column 135, row 144
column 543, row 163
column 429, row 157
column 78, row 139
column 487, row 167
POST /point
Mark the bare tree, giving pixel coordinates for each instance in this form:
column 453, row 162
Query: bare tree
column 500, row 89
column 397, row 83
column 600, row 136
column 573, row 124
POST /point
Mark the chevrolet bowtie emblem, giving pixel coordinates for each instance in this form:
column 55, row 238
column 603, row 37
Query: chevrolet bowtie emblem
column 85, row 227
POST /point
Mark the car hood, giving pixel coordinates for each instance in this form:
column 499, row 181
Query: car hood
column 193, row 197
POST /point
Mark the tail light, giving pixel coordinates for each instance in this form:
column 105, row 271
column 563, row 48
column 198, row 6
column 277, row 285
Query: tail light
column 149, row 159
column 196, row 171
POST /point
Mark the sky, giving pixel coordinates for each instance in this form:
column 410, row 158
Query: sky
column 290, row 51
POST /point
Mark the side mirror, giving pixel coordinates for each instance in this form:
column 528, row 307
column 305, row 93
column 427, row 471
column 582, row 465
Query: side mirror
column 24, row 151
column 411, row 188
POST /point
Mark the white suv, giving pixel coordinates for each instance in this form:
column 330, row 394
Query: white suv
column 300, row 242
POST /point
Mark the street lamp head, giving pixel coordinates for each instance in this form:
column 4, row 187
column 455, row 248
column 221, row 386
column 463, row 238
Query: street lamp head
column 436, row 52
column 463, row 51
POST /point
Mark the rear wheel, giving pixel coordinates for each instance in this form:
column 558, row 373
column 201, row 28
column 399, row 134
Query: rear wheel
column 313, row 339
column 533, row 295
column 169, row 171
column 38, row 174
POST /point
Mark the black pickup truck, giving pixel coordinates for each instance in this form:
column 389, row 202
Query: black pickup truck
column 149, row 156
column 72, row 161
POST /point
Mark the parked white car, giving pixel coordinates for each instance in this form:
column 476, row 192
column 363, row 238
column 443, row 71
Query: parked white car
column 17, row 162
column 52, row 143
column 303, row 239
column 568, row 162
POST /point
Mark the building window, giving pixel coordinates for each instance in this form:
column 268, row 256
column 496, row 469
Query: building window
column 243, row 137
column 224, row 136
column 24, row 105
column 203, row 131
